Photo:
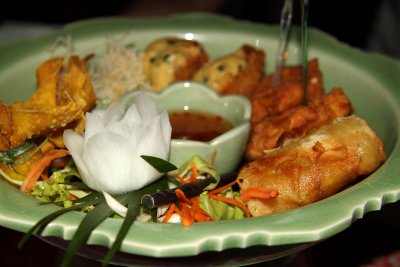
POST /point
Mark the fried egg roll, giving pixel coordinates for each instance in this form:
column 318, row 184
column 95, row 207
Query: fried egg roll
column 314, row 167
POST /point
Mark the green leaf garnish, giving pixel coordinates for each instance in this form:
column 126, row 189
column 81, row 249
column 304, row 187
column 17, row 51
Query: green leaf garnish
column 133, row 210
column 38, row 228
column 9, row 157
column 95, row 216
column 29, row 146
column 79, row 185
column 92, row 219
column 98, row 211
column 10, row 179
column 162, row 166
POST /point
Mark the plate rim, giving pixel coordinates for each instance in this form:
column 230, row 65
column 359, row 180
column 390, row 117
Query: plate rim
column 62, row 227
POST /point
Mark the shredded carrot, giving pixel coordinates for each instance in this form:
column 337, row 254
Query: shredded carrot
column 232, row 201
column 182, row 197
column 181, row 180
column 195, row 173
column 259, row 193
column 197, row 208
column 199, row 216
column 169, row 213
column 195, row 202
column 189, row 209
column 203, row 212
column 187, row 219
column 197, row 212
column 39, row 166
column 178, row 210
column 222, row 188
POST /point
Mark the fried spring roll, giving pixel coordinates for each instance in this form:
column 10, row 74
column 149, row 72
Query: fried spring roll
column 314, row 167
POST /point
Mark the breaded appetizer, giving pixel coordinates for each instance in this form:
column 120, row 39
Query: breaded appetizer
column 237, row 73
column 270, row 99
column 63, row 95
column 171, row 59
column 314, row 167
column 297, row 122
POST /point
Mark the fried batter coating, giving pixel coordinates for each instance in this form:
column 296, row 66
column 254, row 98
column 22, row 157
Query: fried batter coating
column 314, row 167
column 294, row 74
column 270, row 99
column 5, row 127
column 297, row 122
column 19, row 170
column 63, row 95
column 237, row 73
column 167, row 60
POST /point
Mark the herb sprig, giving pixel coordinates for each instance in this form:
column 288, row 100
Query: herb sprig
column 101, row 211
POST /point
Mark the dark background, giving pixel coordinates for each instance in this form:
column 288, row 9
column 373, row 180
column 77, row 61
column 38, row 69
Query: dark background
column 358, row 23
column 350, row 21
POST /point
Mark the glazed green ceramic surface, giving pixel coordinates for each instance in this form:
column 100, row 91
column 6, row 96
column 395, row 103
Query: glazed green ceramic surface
column 371, row 81
column 196, row 97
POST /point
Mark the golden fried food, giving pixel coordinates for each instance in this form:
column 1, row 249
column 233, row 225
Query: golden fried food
column 18, row 170
column 6, row 129
column 333, row 105
column 270, row 99
column 237, row 73
column 297, row 122
column 314, row 167
column 167, row 60
column 295, row 74
column 63, row 95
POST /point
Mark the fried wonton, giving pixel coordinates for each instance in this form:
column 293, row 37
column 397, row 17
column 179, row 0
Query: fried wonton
column 63, row 95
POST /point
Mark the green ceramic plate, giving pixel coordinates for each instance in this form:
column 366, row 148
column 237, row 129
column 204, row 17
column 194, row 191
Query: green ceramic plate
column 371, row 82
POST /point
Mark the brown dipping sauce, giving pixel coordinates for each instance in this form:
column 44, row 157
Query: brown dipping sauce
column 197, row 125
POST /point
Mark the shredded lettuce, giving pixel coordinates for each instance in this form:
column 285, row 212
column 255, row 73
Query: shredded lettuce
column 203, row 167
column 219, row 210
